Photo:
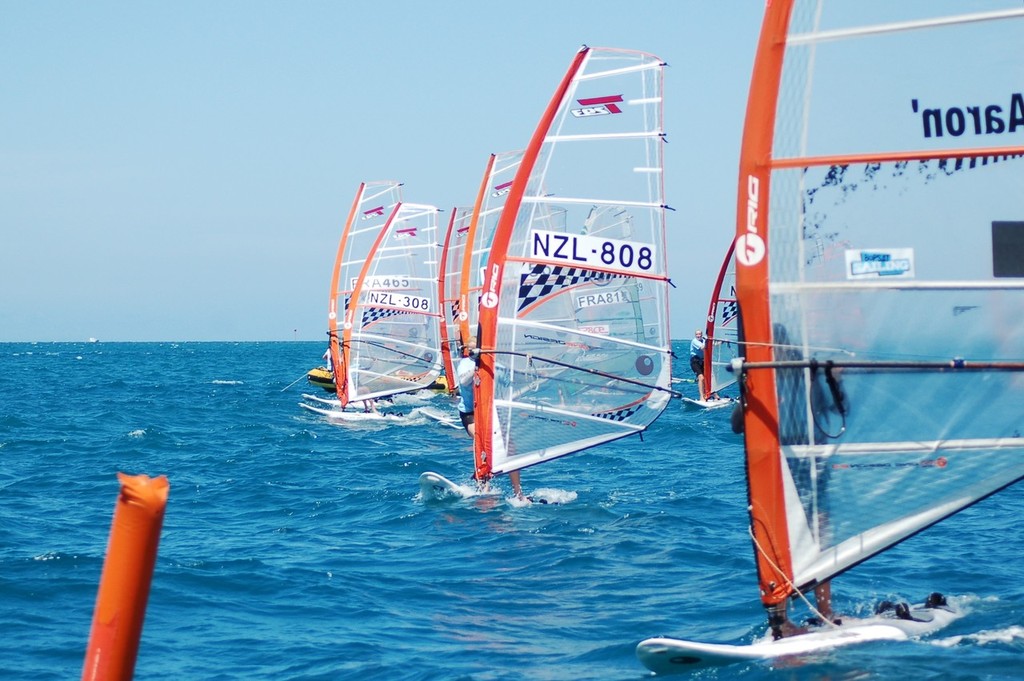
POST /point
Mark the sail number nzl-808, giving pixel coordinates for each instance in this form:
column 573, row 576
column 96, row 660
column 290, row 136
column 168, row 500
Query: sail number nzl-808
column 584, row 250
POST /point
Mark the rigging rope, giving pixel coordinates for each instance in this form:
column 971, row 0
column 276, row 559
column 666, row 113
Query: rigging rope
column 792, row 586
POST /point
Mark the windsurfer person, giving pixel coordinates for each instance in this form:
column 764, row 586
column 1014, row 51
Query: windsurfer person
column 781, row 625
column 794, row 429
column 465, row 373
column 697, row 363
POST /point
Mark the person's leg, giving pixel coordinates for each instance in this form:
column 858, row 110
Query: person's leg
column 516, row 487
column 823, row 597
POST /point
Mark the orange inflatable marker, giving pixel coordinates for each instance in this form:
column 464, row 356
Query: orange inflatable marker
column 127, row 573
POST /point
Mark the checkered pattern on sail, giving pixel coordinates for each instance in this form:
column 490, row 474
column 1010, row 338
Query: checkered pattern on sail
column 455, row 308
column 541, row 280
column 619, row 414
column 729, row 312
column 375, row 314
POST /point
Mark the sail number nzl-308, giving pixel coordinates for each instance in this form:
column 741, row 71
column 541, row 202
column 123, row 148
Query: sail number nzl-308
column 584, row 250
column 399, row 301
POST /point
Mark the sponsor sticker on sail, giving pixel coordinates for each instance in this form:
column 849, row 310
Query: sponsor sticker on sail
column 598, row 106
column 880, row 263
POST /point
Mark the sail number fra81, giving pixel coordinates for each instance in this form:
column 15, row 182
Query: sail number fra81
column 585, row 250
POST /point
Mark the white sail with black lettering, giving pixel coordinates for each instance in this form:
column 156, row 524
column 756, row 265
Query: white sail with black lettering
column 574, row 347
column 880, row 276
column 392, row 324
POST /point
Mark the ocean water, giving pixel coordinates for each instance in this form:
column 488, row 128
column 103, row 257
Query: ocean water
column 294, row 548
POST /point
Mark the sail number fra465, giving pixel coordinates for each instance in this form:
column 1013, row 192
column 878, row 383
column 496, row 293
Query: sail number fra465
column 585, row 250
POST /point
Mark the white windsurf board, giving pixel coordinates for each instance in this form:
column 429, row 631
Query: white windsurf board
column 440, row 417
column 339, row 415
column 673, row 656
column 436, row 486
column 333, row 401
column 709, row 404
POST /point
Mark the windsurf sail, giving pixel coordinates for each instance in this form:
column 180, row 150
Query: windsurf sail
column 466, row 250
column 450, row 290
column 373, row 205
column 389, row 339
column 574, row 347
column 880, row 276
column 490, row 202
column 722, row 334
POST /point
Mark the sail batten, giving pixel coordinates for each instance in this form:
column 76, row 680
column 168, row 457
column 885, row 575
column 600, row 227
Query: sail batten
column 609, row 136
column 558, row 200
column 785, row 288
column 996, row 153
column 909, row 447
column 896, row 27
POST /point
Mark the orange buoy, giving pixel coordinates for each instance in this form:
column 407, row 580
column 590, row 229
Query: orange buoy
column 127, row 573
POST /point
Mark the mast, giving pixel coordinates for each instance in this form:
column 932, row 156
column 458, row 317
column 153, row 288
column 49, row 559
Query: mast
column 764, row 471
column 339, row 355
column 449, row 284
column 468, row 305
column 483, row 441
column 721, row 341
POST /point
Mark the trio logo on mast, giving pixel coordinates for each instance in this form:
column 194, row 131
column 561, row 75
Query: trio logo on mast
column 598, row 106
column 373, row 213
column 489, row 299
column 407, row 233
column 750, row 248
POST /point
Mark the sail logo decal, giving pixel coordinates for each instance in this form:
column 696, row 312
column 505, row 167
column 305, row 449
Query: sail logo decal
column 407, row 233
column 501, row 189
column 956, row 121
column 557, row 341
column 750, row 248
column 591, row 299
column 880, row 262
column 489, row 299
column 563, row 422
column 373, row 213
column 462, row 231
column 598, row 106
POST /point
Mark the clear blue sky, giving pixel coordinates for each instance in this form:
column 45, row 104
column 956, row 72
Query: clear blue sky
column 181, row 170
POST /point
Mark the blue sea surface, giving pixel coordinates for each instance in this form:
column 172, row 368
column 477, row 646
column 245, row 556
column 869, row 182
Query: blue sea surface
column 297, row 548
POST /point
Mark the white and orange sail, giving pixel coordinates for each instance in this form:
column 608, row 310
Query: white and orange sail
column 722, row 332
column 467, row 246
column 880, row 277
column 450, row 290
column 384, row 316
column 574, row 347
